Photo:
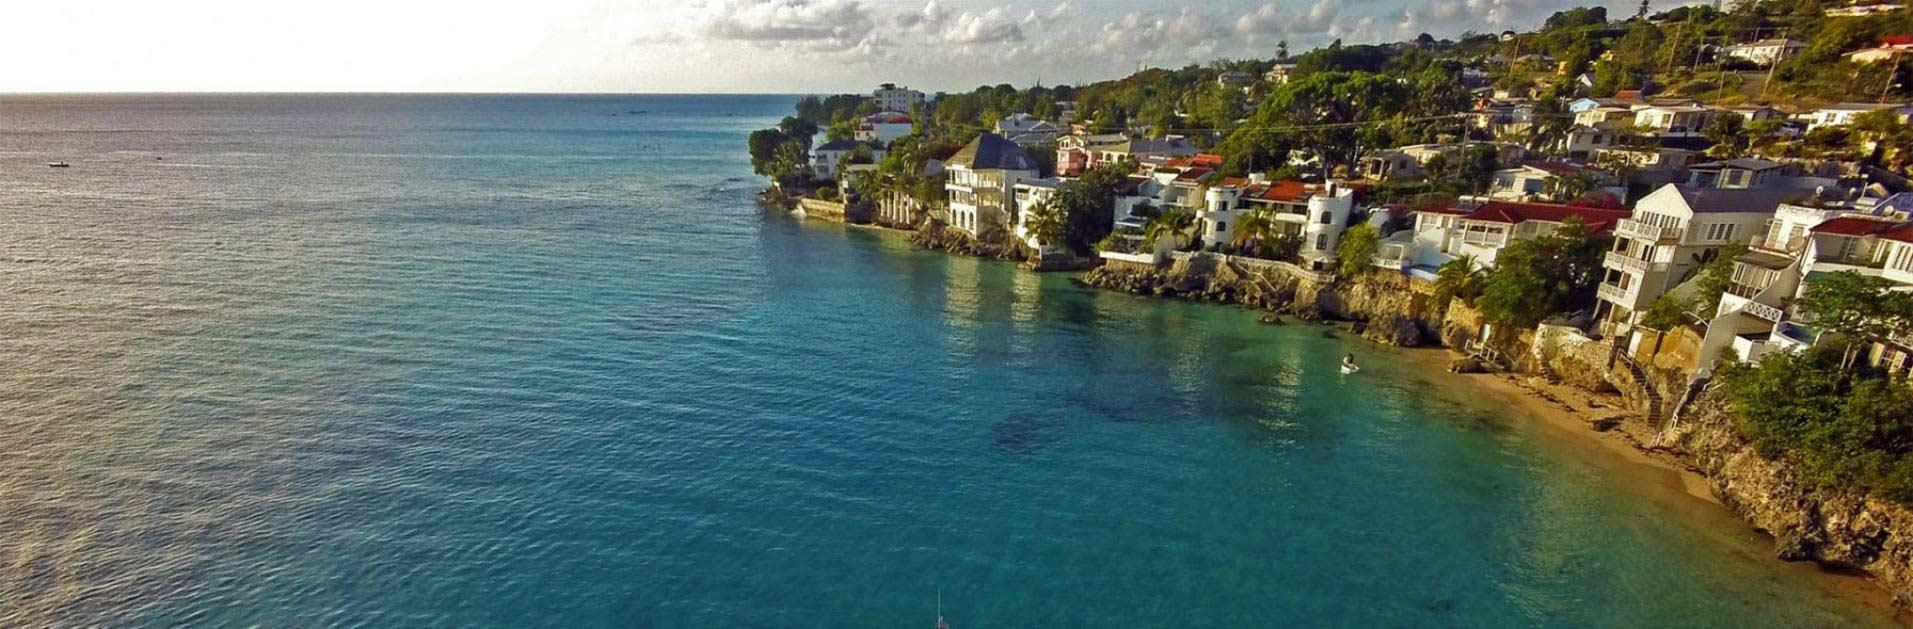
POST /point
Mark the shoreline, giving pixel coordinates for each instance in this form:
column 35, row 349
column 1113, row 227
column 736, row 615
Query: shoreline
column 1564, row 418
column 1559, row 417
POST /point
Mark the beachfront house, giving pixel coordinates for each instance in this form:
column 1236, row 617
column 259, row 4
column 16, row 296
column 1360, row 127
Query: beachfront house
column 981, row 183
column 827, row 161
column 1670, row 232
column 1482, row 228
column 1029, row 194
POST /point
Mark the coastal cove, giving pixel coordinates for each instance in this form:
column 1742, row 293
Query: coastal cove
column 1667, row 500
column 509, row 361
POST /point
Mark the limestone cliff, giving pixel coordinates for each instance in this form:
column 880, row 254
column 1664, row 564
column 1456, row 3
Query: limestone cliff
column 1837, row 529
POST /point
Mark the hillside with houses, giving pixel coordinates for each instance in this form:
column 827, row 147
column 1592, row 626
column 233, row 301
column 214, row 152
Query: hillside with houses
column 1715, row 199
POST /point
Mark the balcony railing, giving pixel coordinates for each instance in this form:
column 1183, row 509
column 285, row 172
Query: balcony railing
column 1630, row 228
column 1762, row 311
column 1621, row 260
column 1613, row 293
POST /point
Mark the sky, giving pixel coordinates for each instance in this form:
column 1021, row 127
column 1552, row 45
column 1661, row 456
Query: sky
column 680, row 46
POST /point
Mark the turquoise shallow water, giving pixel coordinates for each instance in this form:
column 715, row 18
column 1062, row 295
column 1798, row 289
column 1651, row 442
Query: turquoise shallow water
column 519, row 361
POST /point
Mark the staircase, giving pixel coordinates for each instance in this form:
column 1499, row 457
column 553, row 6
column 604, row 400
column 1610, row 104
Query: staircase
column 1648, row 393
column 1694, row 389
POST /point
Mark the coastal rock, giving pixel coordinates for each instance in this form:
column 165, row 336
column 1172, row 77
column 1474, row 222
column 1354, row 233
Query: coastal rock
column 941, row 238
column 1835, row 528
column 1393, row 329
column 1467, row 364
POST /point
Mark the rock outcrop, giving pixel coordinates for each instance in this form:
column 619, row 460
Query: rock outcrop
column 1835, row 528
column 941, row 238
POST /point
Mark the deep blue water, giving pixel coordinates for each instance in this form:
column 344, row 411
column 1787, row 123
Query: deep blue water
column 519, row 361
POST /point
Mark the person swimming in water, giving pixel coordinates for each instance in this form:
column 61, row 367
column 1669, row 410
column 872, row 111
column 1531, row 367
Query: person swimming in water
column 1348, row 364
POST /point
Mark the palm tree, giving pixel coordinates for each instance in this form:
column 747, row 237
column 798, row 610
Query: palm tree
column 1172, row 223
column 1458, row 278
column 1045, row 223
column 1254, row 229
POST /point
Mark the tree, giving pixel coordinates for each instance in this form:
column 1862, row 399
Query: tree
column 1729, row 133
column 1664, row 313
column 1856, row 307
column 1458, row 278
column 1534, row 278
column 1087, row 205
column 1355, row 253
column 1045, row 222
column 1172, row 223
column 1715, row 277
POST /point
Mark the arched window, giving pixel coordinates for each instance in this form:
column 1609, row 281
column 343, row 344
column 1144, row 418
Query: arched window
column 1221, row 227
column 1327, row 217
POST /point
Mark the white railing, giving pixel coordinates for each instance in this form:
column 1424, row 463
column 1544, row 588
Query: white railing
column 1762, row 311
column 1623, row 261
column 1614, row 294
column 1630, row 228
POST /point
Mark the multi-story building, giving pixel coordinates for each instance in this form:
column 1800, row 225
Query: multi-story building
column 891, row 97
column 827, row 160
column 1671, row 232
column 1029, row 194
column 981, row 183
column 1481, row 229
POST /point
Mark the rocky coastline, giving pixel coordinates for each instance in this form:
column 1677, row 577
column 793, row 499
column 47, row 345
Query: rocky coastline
column 1837, row 530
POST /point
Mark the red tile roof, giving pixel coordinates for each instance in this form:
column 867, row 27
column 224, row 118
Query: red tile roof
column 1284, row 191
column 1896, row 40
column 1854, row 226
column 1513, row 213
column 1233, row 181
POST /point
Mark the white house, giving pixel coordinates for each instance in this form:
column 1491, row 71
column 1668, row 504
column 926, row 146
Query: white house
column 1766, row 51
column 1672, row 231
column 1890, row 48
column 1481, row 228
column 1029, row 194
column 1536, row 180
column 1844, row 113
column 883, row 127
column 981, row 183
column 1745, row 172
column 1675, row 120
column 890, row 97
column 826, row 160
column 1863, row 10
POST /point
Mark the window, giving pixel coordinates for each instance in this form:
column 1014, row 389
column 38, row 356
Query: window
column 1221, row 227
column 1721, row 231
column 1321, row 242
column 1327, row 218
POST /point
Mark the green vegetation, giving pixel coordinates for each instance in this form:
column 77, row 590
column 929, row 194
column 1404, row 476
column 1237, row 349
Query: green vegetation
column 1357, row 248
column 1536, row 278
column 1848, row 429
column 1459, row 279
column 1045, row 223
column 1173, row 223
column 1085, row 204
column 783, row 153
column 1856, row 307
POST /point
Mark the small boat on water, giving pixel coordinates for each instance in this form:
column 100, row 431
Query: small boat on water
column 58, row 164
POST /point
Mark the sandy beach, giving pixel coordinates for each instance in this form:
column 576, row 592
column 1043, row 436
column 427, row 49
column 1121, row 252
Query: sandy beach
column 1564, row 419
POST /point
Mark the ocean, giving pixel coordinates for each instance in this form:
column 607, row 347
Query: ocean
column 520, row 361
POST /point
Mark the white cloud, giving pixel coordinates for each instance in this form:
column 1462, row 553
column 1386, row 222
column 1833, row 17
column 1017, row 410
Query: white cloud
column 988, row 27
column 812, row 24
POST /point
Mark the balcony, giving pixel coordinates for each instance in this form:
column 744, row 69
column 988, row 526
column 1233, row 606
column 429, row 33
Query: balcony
column 1630, row 228
column 1616, row 294
column 1621, row 260
column 1762, row 311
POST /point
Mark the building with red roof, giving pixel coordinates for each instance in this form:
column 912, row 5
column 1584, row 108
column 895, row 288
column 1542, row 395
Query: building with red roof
column 1481, row 229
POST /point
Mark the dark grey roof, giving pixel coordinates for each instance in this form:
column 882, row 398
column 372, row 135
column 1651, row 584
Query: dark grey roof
column 991, row 151
column 1717, row 200
column 846, row 145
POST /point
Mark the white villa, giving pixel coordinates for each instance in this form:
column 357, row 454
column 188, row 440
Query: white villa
column 1670, row 233
column 883, row 127
column 1482, row 228
column 1844, row 113
column 1027, row 130
column 826, row 161
column 1030, row 193
column 982, row 183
